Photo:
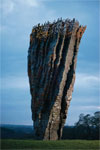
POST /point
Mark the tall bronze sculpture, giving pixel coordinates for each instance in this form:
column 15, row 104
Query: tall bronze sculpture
column 52, row 60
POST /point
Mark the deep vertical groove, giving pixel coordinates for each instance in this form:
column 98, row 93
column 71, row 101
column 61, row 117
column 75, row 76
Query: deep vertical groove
column 70, row 74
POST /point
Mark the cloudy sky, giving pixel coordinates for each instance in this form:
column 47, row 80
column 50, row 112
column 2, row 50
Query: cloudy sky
column 17, row 19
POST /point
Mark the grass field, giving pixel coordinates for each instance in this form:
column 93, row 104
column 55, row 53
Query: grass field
column 50, row 145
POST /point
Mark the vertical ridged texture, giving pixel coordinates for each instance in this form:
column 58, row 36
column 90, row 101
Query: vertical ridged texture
column 52, row 60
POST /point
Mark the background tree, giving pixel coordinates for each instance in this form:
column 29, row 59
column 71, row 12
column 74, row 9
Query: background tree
column 88, row 126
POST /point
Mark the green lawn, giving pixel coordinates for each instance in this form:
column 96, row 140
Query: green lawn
column 50, row 145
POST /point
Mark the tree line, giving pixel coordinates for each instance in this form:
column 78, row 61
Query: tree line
column 87, row 127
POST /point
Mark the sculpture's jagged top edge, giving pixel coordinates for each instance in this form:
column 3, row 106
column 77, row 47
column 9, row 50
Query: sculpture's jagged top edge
column 43, row 30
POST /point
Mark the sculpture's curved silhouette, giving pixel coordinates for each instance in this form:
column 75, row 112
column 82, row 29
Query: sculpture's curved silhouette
column 52, row 60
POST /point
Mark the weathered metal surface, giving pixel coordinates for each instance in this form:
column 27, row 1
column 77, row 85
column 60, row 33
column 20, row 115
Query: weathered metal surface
column 52, row 60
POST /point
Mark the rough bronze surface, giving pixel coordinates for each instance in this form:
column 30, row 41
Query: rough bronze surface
column 52, row 60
